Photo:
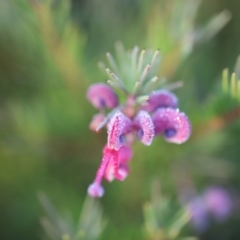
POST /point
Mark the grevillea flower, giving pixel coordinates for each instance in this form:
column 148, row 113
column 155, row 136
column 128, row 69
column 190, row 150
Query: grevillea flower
column 140, row 115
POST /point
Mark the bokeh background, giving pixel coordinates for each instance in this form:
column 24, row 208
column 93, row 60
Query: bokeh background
column 48, row 57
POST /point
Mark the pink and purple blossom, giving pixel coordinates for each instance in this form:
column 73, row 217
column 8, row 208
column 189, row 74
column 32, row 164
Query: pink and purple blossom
column 215, row 203
column 218, row 202
column 140, row 115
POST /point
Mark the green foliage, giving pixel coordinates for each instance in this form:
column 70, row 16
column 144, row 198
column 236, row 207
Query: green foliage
column 49, row 50
column 172, row 29
column 232, row 86
column 163, row 219
column 89, row 227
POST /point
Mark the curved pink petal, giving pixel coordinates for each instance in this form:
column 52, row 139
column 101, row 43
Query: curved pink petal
column 145, row 127
column 118, row 125
column 174, row 124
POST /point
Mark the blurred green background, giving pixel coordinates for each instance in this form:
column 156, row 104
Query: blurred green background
column 48, row 57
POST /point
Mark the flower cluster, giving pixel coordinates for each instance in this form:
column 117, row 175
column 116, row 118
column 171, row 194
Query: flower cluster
column 141, row 114
column 215, row 203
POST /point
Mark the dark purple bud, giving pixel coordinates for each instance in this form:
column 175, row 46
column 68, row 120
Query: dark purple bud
column 118, row 125
column 145, row 128
column 160, row 99
column 102, row 96
column 173, row 124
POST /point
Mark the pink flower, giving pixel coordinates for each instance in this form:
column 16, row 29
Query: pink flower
column 102, row 96
column 146, row 116
column 173, row 124
column 218, row 202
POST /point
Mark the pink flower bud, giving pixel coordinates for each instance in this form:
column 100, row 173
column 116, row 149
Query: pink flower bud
column 145, row 127
column 174, row 124
column 96, row 120
column 118, row 125
column 102, row 96
column 160, row 99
